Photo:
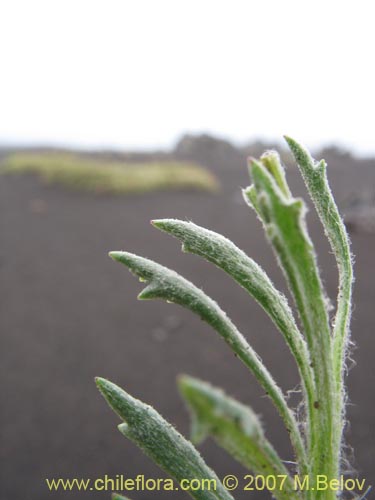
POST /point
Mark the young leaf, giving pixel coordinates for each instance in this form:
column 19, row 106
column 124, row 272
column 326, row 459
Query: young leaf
column 315, row 177
column 227, row 256
column 271, row 160
column 235, row 428
column 160, row 441
column 284, row 221
column 168, row 285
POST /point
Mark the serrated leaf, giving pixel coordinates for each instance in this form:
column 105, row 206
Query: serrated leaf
column 284, row 221
column 315, row 177
column 209, row 405
column 170, row 286
column 235, row 427
column 227, row 256
column 161, row 441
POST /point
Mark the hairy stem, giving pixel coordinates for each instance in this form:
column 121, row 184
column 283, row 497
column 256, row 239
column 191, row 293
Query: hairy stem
column 283, row 218
column 315, row 177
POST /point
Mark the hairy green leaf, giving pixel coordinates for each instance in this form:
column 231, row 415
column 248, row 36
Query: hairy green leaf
column 320, row 354
column 235, row 427
column 116, row 496
column 168, row 285
column 160, row 441
column 227, row 256
column 315, row 177
column 271, row 160
column 284, row 221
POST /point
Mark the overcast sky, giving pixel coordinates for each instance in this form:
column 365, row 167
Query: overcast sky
column 139, row 73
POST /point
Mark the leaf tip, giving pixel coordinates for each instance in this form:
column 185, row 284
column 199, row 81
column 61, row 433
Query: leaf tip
column 99, row 381
column 292, row 143
column 288, row 139
column 103, row 385
column 166, row 225
column 182, row 380
column 123, row 428
column 301, row 154
column 115, row 255
column 251, row 162
column 157, row 223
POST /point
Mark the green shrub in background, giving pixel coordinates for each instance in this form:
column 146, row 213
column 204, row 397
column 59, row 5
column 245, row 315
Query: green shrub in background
column 86, row 174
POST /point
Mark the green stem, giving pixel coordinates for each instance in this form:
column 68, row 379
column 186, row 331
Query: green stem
column 315, row 177
column 283, row 218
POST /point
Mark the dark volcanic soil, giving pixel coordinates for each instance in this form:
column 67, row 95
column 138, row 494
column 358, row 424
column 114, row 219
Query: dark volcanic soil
column 68, row 313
